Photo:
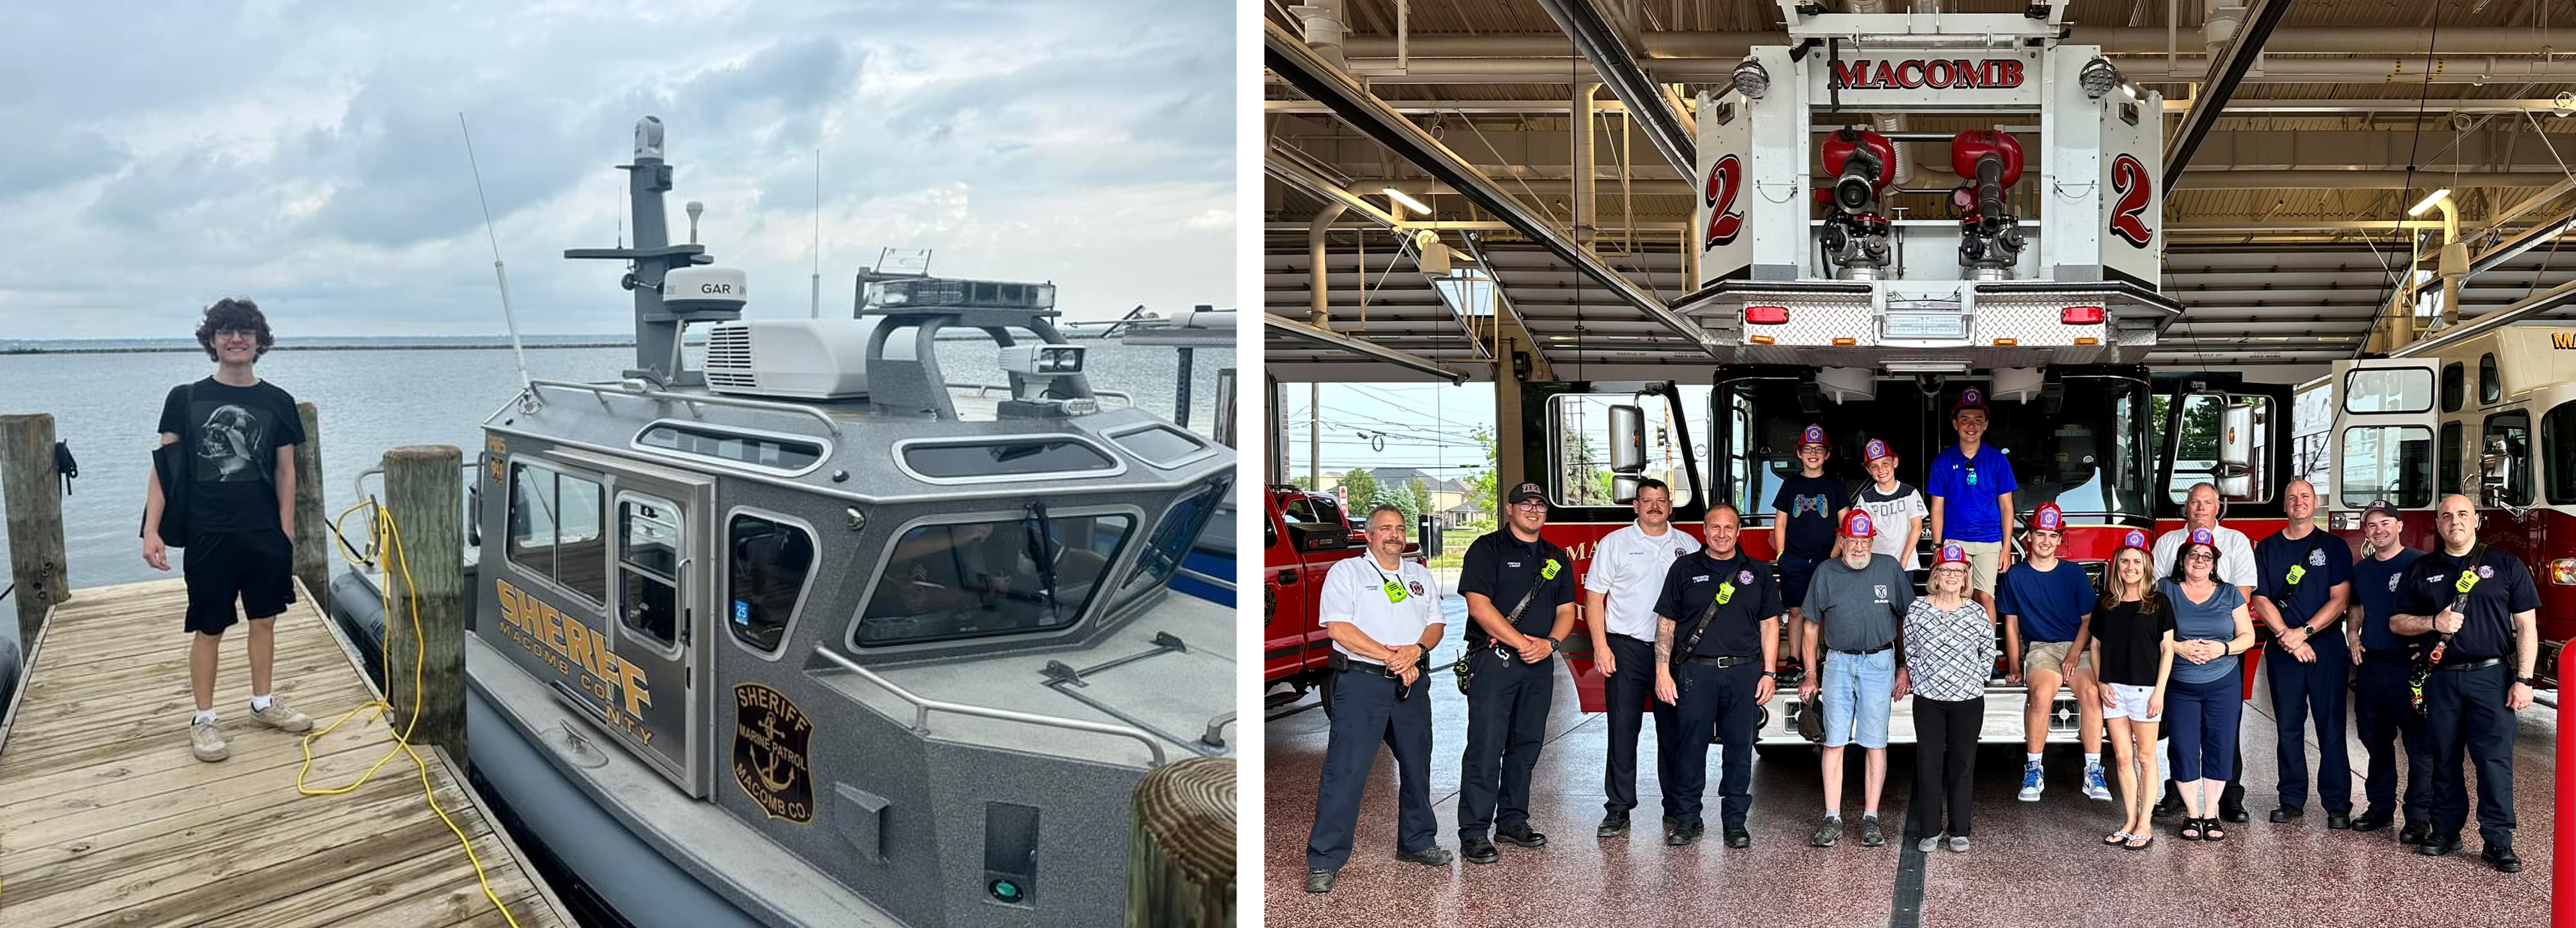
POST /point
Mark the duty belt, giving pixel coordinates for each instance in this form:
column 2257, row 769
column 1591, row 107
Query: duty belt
column 2472, row 665
column 1340, row 661
column 1720, row 662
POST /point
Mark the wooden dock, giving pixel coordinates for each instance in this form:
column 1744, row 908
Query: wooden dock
column 106, row 818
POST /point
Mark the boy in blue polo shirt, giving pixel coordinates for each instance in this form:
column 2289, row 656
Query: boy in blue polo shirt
column 1971, row 486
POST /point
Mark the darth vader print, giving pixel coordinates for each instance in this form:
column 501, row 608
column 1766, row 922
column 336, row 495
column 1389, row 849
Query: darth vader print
column 233, row 443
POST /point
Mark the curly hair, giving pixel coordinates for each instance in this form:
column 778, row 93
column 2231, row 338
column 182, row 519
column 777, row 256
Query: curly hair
column 233, row 313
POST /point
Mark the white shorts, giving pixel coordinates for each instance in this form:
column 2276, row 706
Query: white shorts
column 2130, row 702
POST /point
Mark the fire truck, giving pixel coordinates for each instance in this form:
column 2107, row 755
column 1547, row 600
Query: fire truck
column 2038, row 284
column 2491, row 415
column 1304, row 533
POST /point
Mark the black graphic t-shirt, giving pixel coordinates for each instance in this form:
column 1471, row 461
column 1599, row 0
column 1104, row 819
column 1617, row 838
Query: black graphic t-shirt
column 232, row 435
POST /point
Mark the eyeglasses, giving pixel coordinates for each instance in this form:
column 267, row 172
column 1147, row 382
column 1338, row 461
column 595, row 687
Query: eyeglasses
column 236, row 333
column 2200, row 556
column 1531, row 506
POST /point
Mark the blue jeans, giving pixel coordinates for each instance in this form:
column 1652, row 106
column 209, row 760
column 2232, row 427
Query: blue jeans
column 2203, row 718
column 1857, row 691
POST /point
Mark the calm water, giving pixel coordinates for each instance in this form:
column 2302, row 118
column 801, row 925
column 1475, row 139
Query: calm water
column 106, row 406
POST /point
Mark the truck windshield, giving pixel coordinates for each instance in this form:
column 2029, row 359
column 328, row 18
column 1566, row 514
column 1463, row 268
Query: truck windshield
column 2089, row 455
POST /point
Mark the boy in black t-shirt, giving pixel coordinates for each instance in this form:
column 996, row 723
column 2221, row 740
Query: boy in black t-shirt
column 1802, row 521
column 238, row 478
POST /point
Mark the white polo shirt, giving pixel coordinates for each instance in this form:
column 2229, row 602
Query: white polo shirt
column 2235, row 554
column 1355, row 592
column 1629, row 565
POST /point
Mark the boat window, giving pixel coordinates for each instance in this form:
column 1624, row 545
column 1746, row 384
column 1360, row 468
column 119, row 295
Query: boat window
column 2558, row 448
column 2389, row 462
column 1170, row 543
column 1007, row 458
column 554, row 525
column 649, row 533
column 757, row 450
column 2515, row 429
column 2490, row 389
column 2455, row 386
column 955, row 580
column 1161, row 444
column 766, row 568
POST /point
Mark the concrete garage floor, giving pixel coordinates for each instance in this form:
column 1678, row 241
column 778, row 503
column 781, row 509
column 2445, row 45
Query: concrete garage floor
column 2036, row 863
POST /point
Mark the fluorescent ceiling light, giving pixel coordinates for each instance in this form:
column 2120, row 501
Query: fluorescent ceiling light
column 2429, row 199
column 1409, row 202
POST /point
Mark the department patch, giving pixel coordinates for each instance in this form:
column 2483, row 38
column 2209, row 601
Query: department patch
column 1882, row 592
column 2485, row 572
column 1703, row 578
column 2317, row 558
column 772, row 742
column 1743, row 576
column 2392, row 582
column 1679, row 551
column 1416, row 586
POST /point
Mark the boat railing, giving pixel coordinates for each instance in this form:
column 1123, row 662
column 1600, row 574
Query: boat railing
column 986, row 389
column 829, row 428
column 922, row 708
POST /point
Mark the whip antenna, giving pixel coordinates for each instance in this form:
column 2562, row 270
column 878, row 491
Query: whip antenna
column 527, row 388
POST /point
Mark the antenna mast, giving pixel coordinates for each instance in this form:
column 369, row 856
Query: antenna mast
column 814, row 306
column 527, row 387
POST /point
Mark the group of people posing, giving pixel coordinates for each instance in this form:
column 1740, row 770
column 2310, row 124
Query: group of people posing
column 1689, row 632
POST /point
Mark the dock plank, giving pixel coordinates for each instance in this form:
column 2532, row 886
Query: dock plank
column 105, row 817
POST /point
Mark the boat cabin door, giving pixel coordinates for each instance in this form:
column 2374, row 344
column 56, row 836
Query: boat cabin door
column 661, row 556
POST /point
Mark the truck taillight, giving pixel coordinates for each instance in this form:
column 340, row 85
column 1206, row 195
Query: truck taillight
column 2563, row 571
column 2080, row 315
column 1766, row 315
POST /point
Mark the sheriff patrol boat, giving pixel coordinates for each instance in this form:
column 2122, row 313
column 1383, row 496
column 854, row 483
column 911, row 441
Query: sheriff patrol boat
column 808, row 635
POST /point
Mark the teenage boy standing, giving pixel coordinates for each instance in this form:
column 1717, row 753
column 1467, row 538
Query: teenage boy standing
column 1802, row 521
column 239, row 477
column 1971, row 486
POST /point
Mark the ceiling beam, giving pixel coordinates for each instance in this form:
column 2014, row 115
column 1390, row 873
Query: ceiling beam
column 1300, row 66
column 2558, row 297
column 1303, row 332
column 1590, row 30
column 2227, row 67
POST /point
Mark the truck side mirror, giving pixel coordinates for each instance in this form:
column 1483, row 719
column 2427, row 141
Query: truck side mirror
column 1627, row 439
column 1426, row 530
column 1624, row 487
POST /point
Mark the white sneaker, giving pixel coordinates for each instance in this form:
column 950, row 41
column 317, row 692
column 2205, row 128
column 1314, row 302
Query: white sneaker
column 282, row 717
column 2031, row 784
column 206, row 740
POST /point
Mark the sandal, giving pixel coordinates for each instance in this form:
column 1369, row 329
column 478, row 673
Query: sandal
column 2190, row 830
column 2140, row 842
column 2211, row 830
column 2117, row 837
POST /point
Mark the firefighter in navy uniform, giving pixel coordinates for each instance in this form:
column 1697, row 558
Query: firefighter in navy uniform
column 1384, row 615
column 1717, row 637
column 2483, row 609
column 1520, row 603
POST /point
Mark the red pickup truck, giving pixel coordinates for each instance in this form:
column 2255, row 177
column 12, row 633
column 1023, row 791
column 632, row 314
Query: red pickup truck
column 1304, row 533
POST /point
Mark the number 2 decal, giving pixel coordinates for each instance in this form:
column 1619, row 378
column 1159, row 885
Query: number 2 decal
column 2129, row 179
column 1725, row 181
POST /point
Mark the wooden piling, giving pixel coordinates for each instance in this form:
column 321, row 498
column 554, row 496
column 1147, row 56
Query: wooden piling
column 33, row 490
column 1180, row 851
column 424, row 494
column 312, row 534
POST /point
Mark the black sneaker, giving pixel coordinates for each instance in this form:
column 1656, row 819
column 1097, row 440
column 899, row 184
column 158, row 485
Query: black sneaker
column 2415, row 833
column 1478, row 851
column 1677, row 834
column 1828, row 833
column 2501, row 857
column 2286, row 813
column 2338, row 821
column 2169, row 806
column 1320, row 881
column 1522, row 836
column 2372, row 820
column 2436, row 846
column 1736, row 836
column 1614, row 824
column 1433, row 856
column 1870, row 836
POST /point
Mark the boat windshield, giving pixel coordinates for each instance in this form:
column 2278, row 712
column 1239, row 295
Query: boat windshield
column 974, row 579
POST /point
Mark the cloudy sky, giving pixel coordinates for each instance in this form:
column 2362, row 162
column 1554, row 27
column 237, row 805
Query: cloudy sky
column 307, row 154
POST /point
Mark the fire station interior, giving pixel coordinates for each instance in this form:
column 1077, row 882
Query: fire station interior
column 1499, row 193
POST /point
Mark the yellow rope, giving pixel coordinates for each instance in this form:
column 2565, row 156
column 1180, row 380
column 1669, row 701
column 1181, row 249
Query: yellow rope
column 387, row 537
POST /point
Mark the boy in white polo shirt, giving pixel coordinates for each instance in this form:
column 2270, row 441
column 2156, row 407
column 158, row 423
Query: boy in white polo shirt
column 1619, row 591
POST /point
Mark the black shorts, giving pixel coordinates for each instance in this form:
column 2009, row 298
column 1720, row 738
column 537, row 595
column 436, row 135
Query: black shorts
column 256, row 569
